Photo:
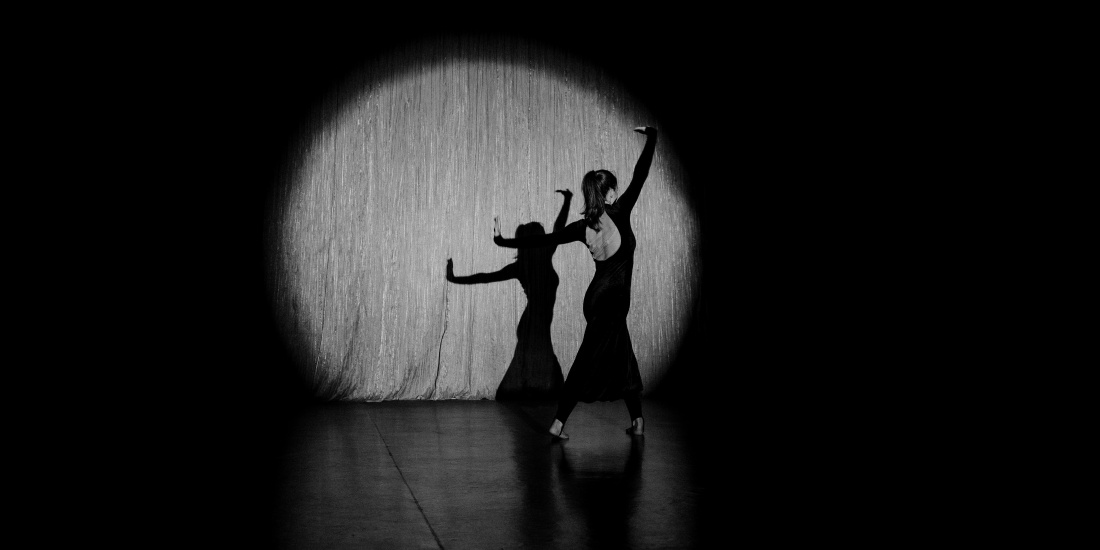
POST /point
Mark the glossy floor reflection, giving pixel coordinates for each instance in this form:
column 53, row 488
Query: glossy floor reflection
column 482, row 474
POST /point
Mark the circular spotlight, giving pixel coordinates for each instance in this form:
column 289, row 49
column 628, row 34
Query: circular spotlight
column 406, row 163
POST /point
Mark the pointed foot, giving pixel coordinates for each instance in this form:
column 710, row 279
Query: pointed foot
column 557, row 430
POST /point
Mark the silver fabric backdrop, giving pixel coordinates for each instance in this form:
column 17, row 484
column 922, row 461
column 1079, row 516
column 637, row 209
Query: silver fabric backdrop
column 406, row 163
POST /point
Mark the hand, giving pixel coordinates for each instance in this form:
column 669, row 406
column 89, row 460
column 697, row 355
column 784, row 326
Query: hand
column 565, row 193
column 647, row 130
column 496, row 227
column 450, row 270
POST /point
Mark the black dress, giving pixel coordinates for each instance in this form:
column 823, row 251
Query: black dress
column 605, row 368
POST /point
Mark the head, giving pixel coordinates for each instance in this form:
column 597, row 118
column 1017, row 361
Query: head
column 526, row 230
column 529, row 229
column 600, row 190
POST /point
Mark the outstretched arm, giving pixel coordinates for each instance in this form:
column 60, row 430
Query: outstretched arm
column 569, row 233
column 505, row 273
column 641, row 170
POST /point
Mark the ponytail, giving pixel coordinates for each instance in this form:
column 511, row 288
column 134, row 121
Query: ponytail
column 595, row 186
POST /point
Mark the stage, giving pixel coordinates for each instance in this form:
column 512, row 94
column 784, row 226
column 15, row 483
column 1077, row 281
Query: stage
column 484, row 474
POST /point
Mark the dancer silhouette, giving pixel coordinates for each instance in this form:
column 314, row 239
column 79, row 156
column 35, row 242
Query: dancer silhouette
column 605, row 368
column 534, row 372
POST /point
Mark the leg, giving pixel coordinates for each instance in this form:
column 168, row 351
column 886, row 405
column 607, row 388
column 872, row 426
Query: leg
column 634, row 407
column 565, row 407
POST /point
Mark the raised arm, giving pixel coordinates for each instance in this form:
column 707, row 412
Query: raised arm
column 559, row 223
column 505, row 273
column 641, row 169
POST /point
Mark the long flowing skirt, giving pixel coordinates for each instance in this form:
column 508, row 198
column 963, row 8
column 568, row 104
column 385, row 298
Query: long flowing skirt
column 605, row 368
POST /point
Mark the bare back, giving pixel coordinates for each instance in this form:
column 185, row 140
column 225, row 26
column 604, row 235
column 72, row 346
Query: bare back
column 604, row 243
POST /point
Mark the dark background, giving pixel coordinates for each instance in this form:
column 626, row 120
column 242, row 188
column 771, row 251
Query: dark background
column 792, row 366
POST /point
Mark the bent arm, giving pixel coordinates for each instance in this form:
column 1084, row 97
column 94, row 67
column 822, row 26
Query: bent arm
column 559, row 223
column 641, row 170
column 570, row 233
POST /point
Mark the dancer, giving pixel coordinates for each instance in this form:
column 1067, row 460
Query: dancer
column 605, row 368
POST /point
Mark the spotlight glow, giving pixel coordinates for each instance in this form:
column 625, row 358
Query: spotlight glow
column 406, row 163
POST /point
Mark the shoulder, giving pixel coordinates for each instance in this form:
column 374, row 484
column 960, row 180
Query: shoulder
column 619, row 215
column 572, row 232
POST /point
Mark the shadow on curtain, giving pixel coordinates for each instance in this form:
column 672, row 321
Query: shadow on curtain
column 534, row 372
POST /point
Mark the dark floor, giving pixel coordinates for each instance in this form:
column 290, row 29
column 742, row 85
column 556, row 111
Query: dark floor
column 483, row 474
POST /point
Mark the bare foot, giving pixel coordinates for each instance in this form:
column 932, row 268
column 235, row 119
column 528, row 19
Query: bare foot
column 556, row 430
column 637, row 427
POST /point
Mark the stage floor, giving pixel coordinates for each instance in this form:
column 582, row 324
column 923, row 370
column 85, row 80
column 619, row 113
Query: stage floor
column 484, row 474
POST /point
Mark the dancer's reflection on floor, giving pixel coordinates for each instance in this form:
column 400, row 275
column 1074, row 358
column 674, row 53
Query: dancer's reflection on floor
column 603, row 496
